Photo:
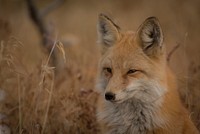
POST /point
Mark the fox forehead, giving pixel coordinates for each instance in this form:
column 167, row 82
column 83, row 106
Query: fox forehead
column 126, row 53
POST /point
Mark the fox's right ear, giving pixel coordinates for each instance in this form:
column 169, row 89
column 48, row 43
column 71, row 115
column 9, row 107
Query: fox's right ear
column 108, row 32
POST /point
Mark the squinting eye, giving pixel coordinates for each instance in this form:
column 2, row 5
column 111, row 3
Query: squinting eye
column 107, row 69
column 131, row 71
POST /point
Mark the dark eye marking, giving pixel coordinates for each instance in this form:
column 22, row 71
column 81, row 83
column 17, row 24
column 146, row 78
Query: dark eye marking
column 131, row 71
column 107, row 69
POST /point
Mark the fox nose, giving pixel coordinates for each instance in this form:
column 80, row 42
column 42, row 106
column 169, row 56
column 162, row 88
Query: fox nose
column 109, row 96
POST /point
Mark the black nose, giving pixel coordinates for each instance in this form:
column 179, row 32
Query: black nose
column 110, row 96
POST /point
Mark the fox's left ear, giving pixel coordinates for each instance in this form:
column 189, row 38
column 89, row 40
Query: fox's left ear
column 150, row 37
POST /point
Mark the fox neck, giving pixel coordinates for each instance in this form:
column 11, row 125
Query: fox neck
column 133, row 116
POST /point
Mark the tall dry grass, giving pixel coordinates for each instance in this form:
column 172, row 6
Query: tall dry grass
column 42, row 102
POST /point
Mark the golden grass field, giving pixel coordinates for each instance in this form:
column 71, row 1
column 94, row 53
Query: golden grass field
column 37, row 98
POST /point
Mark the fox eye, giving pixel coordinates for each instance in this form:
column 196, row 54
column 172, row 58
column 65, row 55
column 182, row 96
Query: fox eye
column 107, row 69
column 131, row 71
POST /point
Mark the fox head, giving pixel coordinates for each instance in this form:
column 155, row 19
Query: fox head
column 132, row 65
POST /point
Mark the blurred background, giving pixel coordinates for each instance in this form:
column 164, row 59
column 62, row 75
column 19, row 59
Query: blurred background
column 38, row 95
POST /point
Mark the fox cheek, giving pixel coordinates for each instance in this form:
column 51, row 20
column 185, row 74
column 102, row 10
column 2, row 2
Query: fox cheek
column 101, row 84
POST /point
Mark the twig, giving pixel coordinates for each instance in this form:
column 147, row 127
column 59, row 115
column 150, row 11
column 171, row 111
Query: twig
column 1, row 50
column 34, row 15
column 51, row 52
column 48, row 105
column 52, row 6
column 20, row 105
column 172, row 52
column 51, row 90
column 38, row 18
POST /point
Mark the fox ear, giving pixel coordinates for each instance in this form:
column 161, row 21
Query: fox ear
column 108, row 31
column 150, row 36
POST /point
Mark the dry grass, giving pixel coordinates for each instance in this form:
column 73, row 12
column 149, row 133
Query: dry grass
column 40, row 102
column 43, row 99
column 190, row 94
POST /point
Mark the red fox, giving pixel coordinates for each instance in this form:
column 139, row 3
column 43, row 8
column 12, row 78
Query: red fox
column 138, row 91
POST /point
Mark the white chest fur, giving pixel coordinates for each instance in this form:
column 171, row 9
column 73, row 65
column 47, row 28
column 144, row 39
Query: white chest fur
column 131, row 117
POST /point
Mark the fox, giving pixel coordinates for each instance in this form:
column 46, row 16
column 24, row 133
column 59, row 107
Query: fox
column 138, row 91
